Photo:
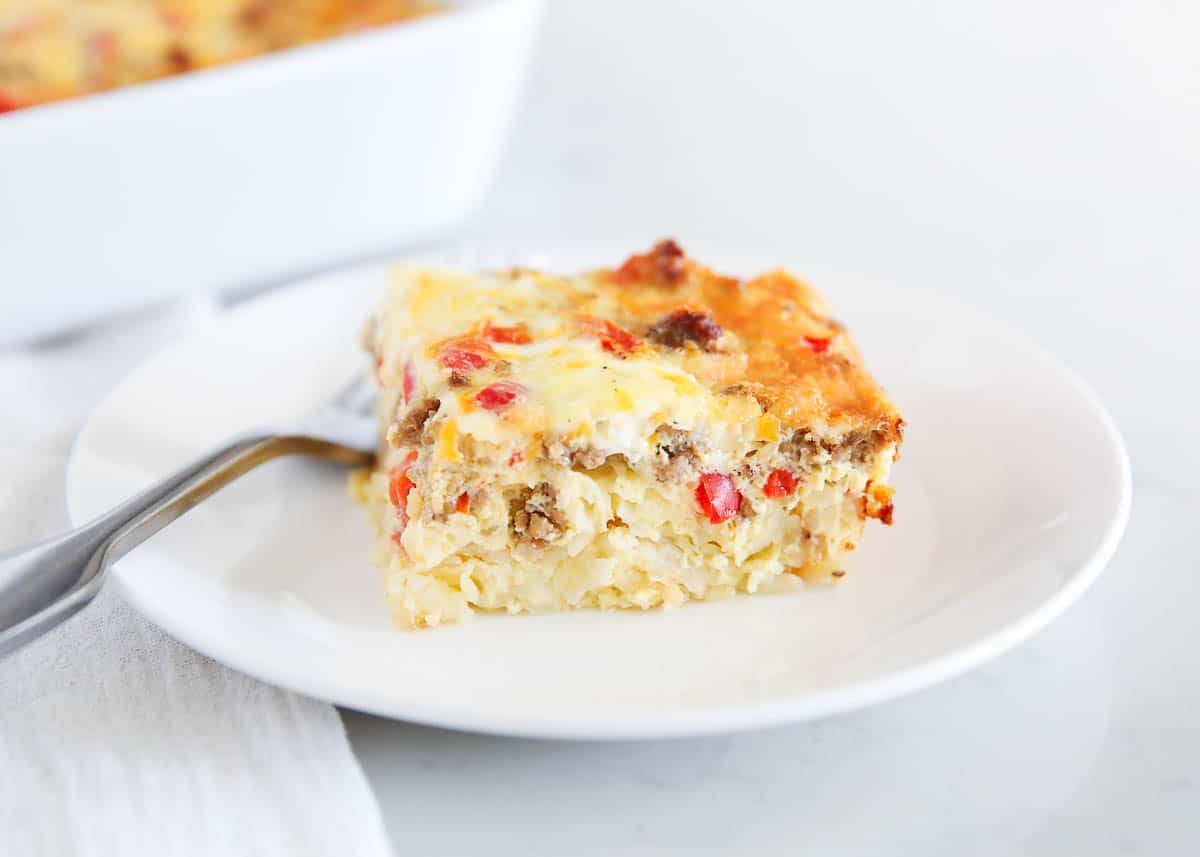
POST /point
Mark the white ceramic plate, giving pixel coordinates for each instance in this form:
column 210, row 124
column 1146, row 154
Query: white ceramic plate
column 1012, row 493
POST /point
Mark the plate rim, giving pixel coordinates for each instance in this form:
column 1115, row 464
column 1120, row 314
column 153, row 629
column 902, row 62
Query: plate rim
column 636, row 723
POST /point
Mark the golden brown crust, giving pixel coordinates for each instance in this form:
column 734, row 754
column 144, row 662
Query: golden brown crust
column 877, row 503
column 799, row 363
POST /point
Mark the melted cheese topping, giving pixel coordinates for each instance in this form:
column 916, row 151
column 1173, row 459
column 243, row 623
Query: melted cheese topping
column 576, row 387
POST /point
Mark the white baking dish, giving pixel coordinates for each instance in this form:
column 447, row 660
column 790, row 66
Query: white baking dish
column 252, row 172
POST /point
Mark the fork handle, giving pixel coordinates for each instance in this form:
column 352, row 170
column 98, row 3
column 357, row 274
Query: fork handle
column 44, row 584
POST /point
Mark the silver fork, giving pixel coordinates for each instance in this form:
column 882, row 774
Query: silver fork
column 45, row 584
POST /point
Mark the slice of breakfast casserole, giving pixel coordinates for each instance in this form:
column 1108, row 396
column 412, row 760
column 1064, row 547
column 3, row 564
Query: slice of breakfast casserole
column 622, row 438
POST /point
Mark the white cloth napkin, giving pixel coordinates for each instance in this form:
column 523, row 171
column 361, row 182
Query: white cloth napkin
column 114, row 738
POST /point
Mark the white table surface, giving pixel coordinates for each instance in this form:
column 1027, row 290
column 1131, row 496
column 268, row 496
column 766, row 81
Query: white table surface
column 1039, row 160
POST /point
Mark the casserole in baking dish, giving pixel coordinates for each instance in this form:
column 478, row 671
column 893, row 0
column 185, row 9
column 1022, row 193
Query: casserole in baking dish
column 55, row 49
column 251, row 172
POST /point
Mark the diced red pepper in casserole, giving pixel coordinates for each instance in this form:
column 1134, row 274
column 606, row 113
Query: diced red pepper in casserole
column 613, row 339
column 780, row 483
column 456, row 358
column 398, row 482
column 516, row 335
column 410, row 381
column 466, row 354
column 817, row 343
column 463, row 504
column 718, row 497
column 516, row 458
column 500, row 395
column 399, row 486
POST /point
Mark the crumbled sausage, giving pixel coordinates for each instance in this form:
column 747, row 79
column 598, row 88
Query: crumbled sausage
column 179, row 59
column 669, row 261
column 806, row 449
column 407, row 430
column 677, row 460
column 534, row 516
column 572, row 453
column 756, row 391
column 861, row 444
column 676, row 329
column 858, row 445
column 587, row 458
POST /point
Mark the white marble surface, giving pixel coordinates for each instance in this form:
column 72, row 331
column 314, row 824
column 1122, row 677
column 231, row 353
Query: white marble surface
column 1040, row 161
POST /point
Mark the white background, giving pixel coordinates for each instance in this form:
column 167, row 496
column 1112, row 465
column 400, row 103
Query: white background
column 1042, row 161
